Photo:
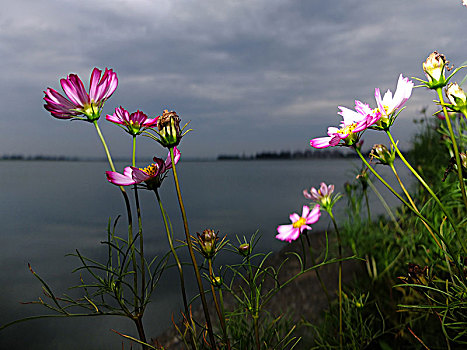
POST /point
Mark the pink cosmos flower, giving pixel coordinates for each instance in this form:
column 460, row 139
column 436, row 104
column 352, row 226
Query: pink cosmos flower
column 135, row 122
column 389, row 104
column 291, row 232
column 79, row 102
column 353, row 123
column 318, row 195
column 152, row 175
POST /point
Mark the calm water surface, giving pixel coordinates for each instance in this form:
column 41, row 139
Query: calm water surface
column 49, row 209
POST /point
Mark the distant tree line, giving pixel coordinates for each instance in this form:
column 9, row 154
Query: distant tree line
column 310, row 153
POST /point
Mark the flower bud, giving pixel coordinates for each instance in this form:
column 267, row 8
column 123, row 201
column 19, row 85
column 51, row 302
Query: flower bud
column 457, row 97
column 382, row 153
column 207, row 243
column 168, row 125
column 216, row 281
column 434, row 70
column 244, row 249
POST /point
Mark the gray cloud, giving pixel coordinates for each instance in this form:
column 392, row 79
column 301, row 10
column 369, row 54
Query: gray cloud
column 251, row 75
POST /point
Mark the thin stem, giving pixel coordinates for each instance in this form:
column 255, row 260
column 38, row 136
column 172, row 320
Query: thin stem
column 339, row 243
column 106, row 149
column 385, row 205
column 140, row 232
column 365, row 193
column 255, row 321
column 216, row 304
column 192, row 254
column 454, row 146
column 139, row 326
column 254, row 312
column 323, row 286
column 179, row 265
column 393, row 168
column 428, row 188
column 400, row 198
column 128, row 210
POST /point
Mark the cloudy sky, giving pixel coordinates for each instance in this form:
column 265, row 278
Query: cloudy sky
column 255, row 75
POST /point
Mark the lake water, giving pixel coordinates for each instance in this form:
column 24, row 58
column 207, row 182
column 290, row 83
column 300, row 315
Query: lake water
column 49, row 209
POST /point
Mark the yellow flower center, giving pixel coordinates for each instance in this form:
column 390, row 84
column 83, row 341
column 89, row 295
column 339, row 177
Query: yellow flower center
column 348, row 129
column 151, row 169
column 299, row 223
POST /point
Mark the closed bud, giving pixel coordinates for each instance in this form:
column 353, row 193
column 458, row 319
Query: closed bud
column 244, row 249
column 457, row 97
column 383, row 154
column 434, row 70
column 168, row 125
column 207, row 243
column 216, row 281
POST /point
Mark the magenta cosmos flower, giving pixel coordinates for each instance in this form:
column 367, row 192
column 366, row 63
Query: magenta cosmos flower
column 318, row 195
column 389, row 103
column 291, row 232
column 353, row 123
column 79, row 102
column 135, row 123
column 152, row 175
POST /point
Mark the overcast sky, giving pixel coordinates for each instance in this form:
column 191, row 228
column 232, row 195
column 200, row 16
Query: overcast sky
column 252, row 76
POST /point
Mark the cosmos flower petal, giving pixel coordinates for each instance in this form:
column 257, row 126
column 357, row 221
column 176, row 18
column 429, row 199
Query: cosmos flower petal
column 349, row 116
column 78, row 102
column 307, row 195
column 314, row 215
column 139, row 175
column 294, row 217
column 94, row 81
column 119, row 179
column 305, row 211
column 287, row 233
column 168, row 161
column 323, row 188
column 322, row 142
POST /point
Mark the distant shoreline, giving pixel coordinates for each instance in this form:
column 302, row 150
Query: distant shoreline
column 283, row 155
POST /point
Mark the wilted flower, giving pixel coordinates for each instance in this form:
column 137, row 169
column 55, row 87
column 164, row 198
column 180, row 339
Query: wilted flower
column 152, row 175
column 382, row 153
column 291, row 232
column 135, row 122
column 389, row 104
column 79, row 102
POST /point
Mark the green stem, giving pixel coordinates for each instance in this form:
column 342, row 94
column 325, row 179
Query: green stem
column 406, row 204
column 365, row 192
column 179, row 265
column 254, row 312
column 192, row 254
column 323, row 286
column 339, row 243
column 454, row 146
column 216, row 304
column 106, row 149
column 140, row 233
column 393, row 168
column 428, row 188
column 385, row 205
column 128, row 209
column 139, row 326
